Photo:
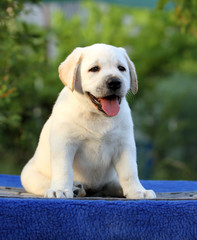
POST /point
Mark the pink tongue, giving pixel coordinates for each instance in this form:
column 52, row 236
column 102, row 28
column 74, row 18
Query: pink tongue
column 110, row 106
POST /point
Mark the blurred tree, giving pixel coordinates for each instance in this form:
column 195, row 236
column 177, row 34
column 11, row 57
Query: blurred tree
column 166, row 116
column 23, row 68
column 185, row 13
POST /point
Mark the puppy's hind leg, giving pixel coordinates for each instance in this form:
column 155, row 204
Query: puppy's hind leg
column 78, row 190
column 33, row 181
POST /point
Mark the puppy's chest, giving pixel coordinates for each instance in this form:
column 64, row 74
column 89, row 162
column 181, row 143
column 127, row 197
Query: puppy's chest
column 97, row 152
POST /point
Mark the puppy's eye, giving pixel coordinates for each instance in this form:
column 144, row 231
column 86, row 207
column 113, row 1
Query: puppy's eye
column 94, row 69
column 121, row 68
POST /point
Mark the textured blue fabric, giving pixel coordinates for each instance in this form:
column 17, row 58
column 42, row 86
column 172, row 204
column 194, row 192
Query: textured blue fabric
column 99, row 219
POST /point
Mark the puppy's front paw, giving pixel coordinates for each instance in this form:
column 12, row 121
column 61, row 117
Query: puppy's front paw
column 143, row 194
column 53, row 193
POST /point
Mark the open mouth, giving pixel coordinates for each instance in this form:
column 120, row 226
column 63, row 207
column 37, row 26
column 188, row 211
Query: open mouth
column 110, row 105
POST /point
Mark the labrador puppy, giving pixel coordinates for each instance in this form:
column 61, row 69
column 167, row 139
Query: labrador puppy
column 89, row 137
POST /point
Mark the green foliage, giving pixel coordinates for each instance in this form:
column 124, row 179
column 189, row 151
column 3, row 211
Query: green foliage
column 99, row 23
column 23, row 67
column 167, row 116
column 163, row 110
column 185, row 14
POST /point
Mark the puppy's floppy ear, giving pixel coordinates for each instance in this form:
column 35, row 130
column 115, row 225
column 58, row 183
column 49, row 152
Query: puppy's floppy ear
column 132, row 71
column 68, row 68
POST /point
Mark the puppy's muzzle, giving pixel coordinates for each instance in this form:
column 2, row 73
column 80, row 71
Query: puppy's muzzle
column 113, row 83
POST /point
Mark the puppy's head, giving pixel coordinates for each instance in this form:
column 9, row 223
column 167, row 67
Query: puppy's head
column 104, row 73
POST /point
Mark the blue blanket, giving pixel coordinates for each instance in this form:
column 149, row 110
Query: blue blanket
column 100, row 219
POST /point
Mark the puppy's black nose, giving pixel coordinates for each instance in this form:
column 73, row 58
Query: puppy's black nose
column 113, row 83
